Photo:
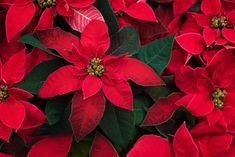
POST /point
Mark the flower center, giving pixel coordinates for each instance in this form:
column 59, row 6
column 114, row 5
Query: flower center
column 46, row 3
column 119, row 14
column 95, row 67
column 218, row 98
column 219, row 22
column 3, row 91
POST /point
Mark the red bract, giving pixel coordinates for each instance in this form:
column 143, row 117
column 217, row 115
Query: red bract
column 57, row 146
column 21, row 13
column 214, row 89
column 218, row 24
column 15, row 113
column 150, row 146
column 92, row 71
column 101, row 146
column 137, row 9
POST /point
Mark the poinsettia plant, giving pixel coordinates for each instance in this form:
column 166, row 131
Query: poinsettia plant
column 117, row 78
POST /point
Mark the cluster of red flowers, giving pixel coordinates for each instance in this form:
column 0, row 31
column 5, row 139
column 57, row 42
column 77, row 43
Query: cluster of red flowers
column 110, row 78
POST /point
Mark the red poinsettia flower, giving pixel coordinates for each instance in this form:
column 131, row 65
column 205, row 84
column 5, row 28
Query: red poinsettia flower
column 210, row 91
column 92, row 71
column 21, row 12
column 217, row 24
column 137, row 9
column 15, row 112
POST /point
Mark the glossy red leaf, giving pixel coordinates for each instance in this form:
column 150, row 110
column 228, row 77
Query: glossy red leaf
column 56, row 146
column 144, row 76
column 191, row 42
column 91, row 85
column 150, row 146
column 18, row 17
column 86, row 114
column 183, row 144
column 162, row 110
column 101, row 146
column 180, row 6
column 211, row 8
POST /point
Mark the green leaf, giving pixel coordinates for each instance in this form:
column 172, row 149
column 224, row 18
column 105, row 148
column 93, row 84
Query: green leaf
column 126, row 40
column 33, row 41
column 61, row 127
column 118, row 125
column 110, row 19
column 55, row 108
column 157, row 54
column 141, row 104
column 80, row 149
column 35, row 79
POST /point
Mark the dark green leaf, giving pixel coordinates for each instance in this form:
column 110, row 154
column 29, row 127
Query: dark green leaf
column 157, row 54
column 141, row 104
column 34, row 80
column 104, row 7
column 55, row 108
column 80, row 149
column 61, row 127
column 126, row 40
column 33, row 41
column 118, row 125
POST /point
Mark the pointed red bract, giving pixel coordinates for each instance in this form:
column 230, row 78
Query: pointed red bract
column 141, row 11
column 62, row 81
column 144, row 76
column 5, row 132
column 14, row 69
column 101, row 146
column 57, row 146
column 191, row 42
column 180, row 6
column 183, row 143
column 12, row 113
column 229, row 34
column 150, row 146
column 95, row 42
column 18, row 17
column 33, row 118
column 211, row 8
column 90, row 86
column 119, row 94
column 86, row 114
column 162, row 110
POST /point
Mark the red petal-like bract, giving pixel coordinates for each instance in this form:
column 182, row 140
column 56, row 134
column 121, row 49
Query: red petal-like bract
column 211, row 8
column 12, row 113
column 191, row 42
column 58, row 40
column 183, row 144
column 229, row 34
column 18, row 17
column 61, row 81
column 144, row 76
column 91, row 85
column 56, row 146
column 119, row 94
column 180, row 6
column 86, row 114
column 162, row 110
column 150, row 146
column 5, row 132
column 33, row 118
column 82, row 17
column 101, row 146
column 96, row 43
column 141, row 11
column 14, row 69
